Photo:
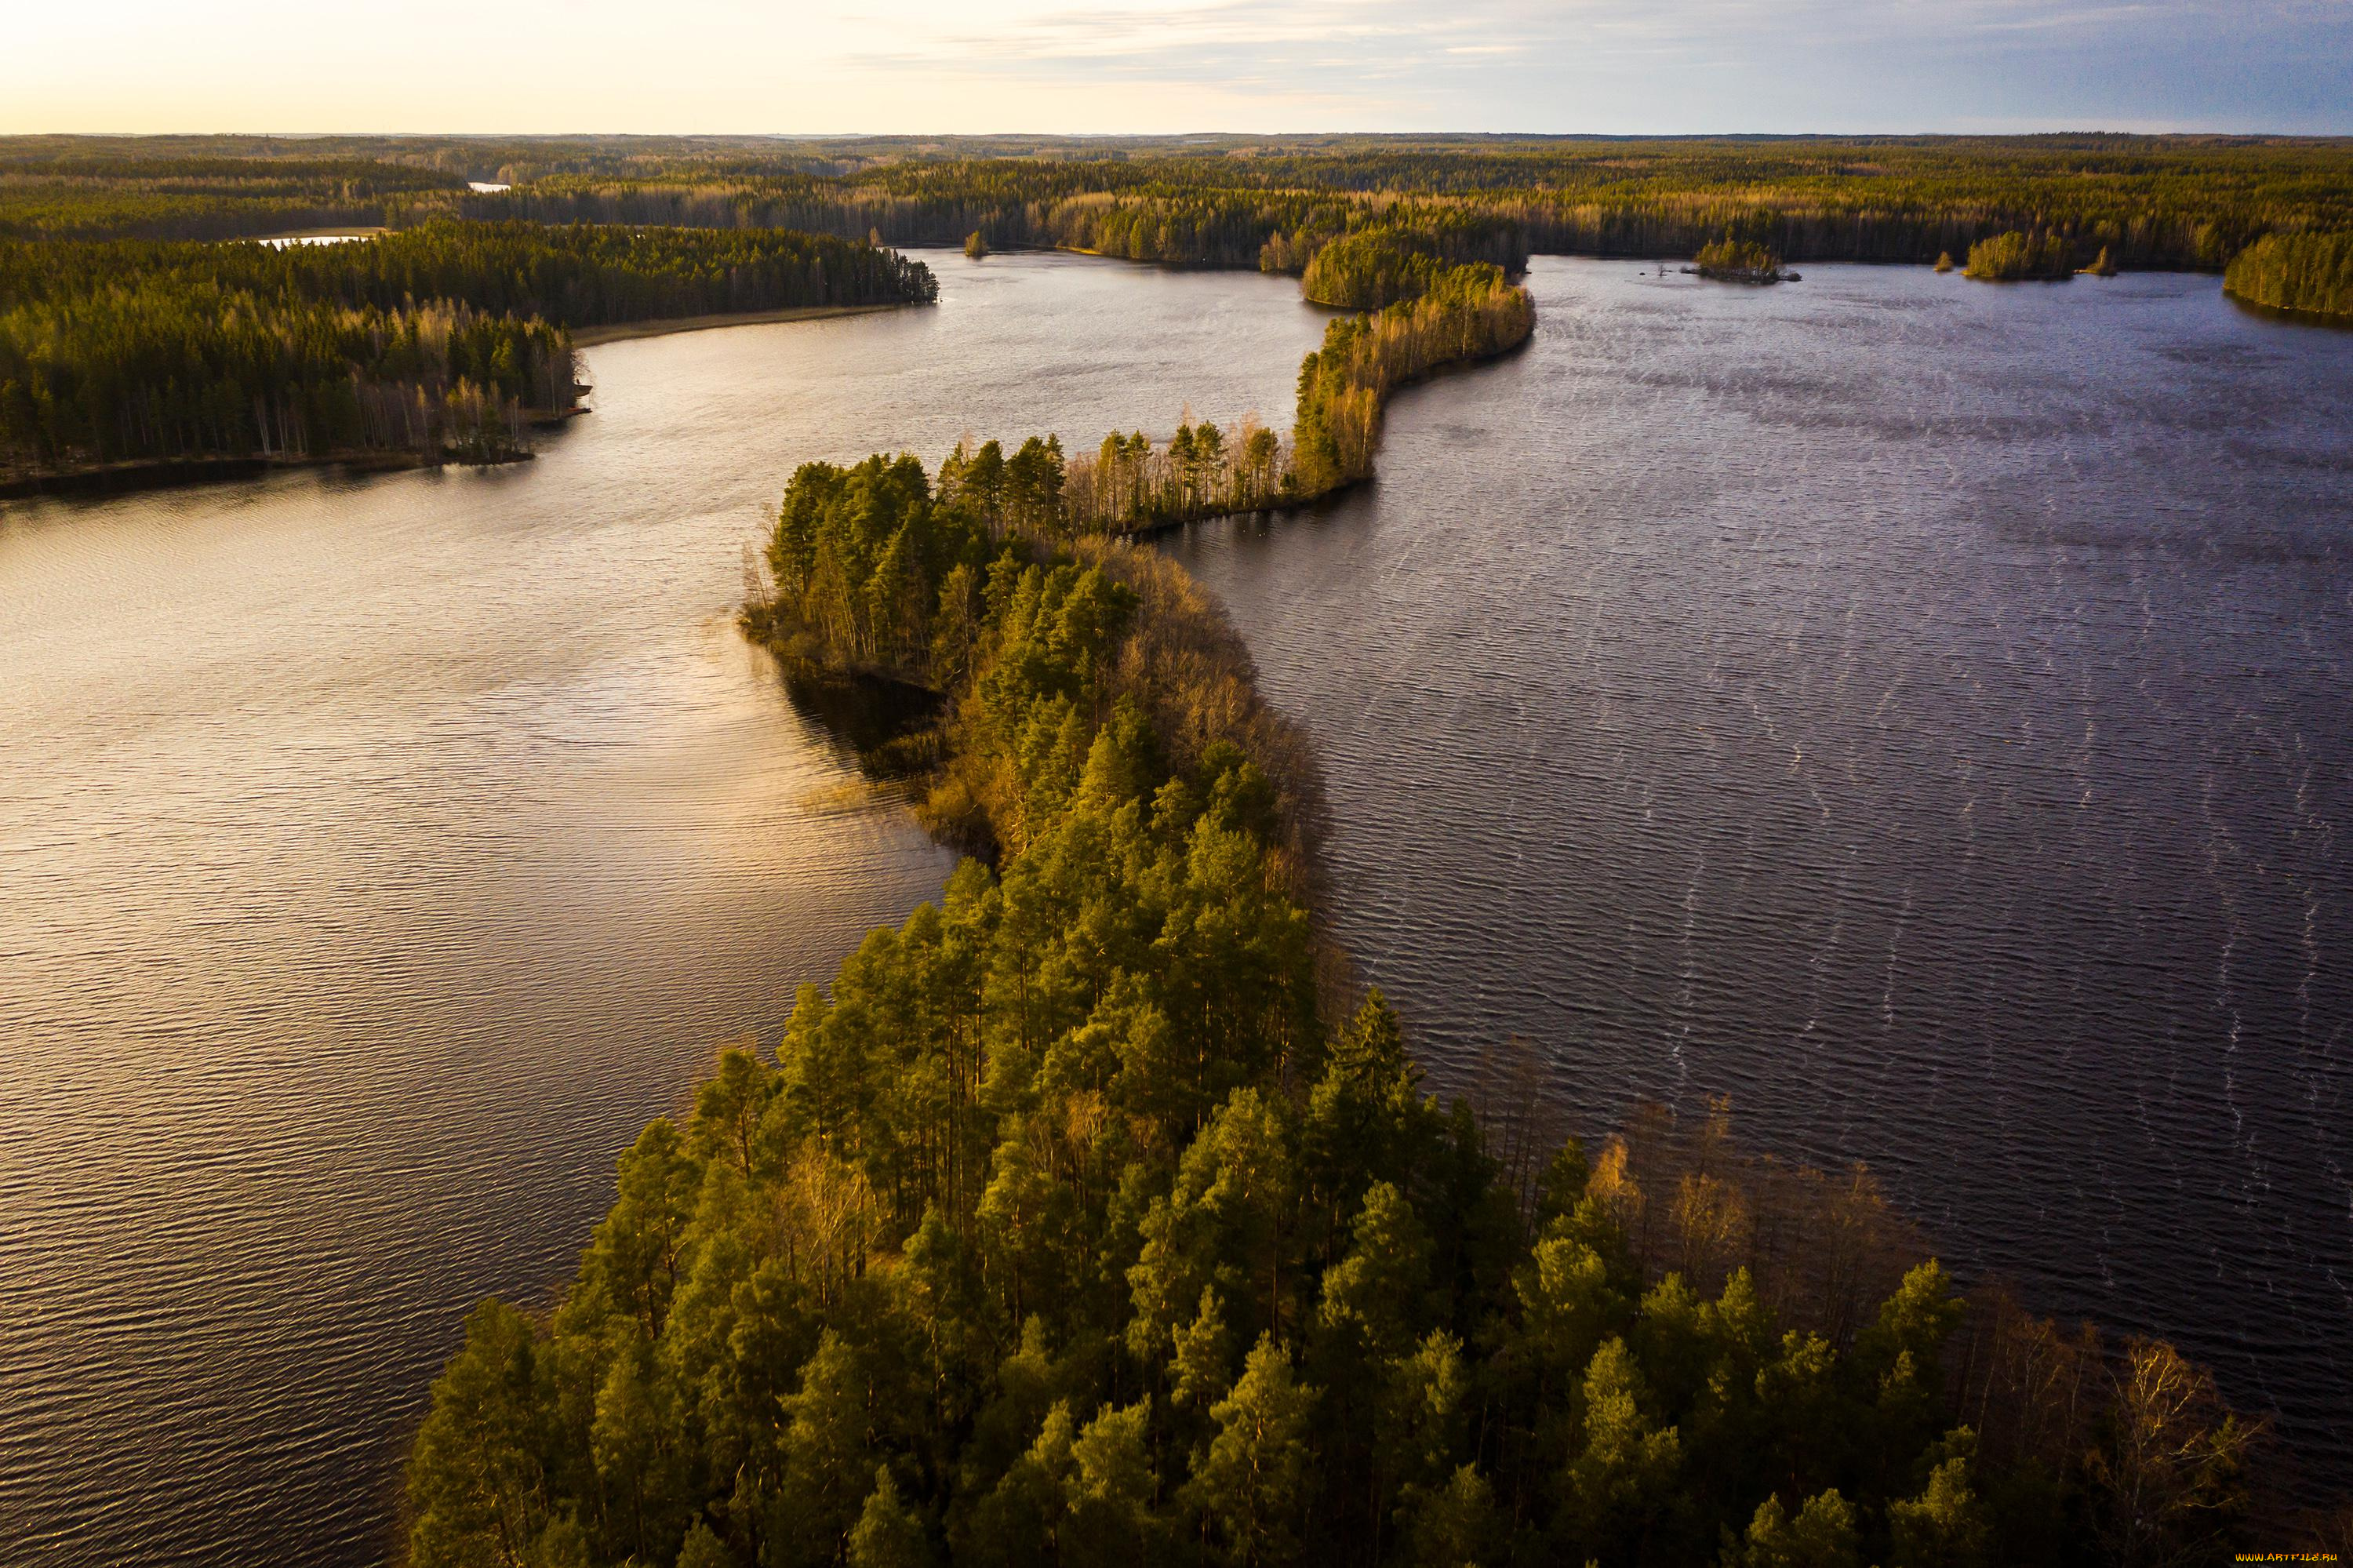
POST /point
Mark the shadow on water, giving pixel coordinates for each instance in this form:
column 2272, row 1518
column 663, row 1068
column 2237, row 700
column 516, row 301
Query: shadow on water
column 891, row 727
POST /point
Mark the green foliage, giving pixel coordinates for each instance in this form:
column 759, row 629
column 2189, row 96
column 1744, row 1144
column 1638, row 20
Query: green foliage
column 1822, row 1535
column 2152, row 201
column 135, row 350
column 2308, row 272
column 2172, row 201
column 1078, row 1220
column 79, row 188
column 1252, row 1486
column 1465, row 312
column 1381, row 264
column 1738, row 260
column 1070, row 1224
column 881, row 568
column 2009, row 258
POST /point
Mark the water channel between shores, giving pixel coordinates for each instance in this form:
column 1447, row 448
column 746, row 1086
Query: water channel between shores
column 1915, row 710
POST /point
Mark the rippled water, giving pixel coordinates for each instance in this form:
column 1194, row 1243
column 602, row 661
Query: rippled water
column 377, row 857
column 1920, row 710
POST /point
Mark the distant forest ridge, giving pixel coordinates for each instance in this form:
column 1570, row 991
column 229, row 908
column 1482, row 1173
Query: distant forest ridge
column 2172, row 202
column 440, row 342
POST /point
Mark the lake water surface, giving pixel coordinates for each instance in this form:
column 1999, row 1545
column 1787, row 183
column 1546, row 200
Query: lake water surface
column 1922, row 711
column 376, row 858
column 1915, row 708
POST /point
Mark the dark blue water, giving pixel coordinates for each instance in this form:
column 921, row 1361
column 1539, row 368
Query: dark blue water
column 1918, row 709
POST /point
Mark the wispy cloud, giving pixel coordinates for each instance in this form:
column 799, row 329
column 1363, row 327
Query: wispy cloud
column 1259, row 65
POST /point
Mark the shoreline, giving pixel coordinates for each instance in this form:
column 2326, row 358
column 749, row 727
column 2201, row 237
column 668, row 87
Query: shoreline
column 662, row 326
column 173, row 473
column 325, row 231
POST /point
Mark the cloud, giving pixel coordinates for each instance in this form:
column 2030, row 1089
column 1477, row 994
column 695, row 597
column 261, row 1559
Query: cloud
column 1246, row 65
column 1658, row 65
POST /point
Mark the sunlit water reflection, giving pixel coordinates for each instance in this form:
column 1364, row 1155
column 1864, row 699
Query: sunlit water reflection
column 377, row 857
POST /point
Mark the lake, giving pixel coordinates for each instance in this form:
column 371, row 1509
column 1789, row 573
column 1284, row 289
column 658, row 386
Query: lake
column 377, row 856
column 1920, row 710
column 1913, row 709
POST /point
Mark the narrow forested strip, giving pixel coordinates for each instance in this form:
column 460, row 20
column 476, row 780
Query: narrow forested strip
column 574, row 275
column 169, row 370
column 1466, row 314
column 439, row 341
column 866, row 603
column 2308, row 272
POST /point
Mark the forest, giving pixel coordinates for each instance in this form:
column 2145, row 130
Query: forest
column 68, row 187
column 1738, row 260
column 2311, row 273
column 2015, row 256
column 1094, row 1215
column 122, row 342
column 1082, row 1219
column 442, row 341
column 2152, row 201
column 876, row 610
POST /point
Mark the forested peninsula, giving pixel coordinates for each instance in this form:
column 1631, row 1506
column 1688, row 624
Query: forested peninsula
column 1092, row 1216
column 2311, row 274
column 440, row 343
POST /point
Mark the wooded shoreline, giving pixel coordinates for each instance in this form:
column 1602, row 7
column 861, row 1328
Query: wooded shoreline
column 621, row 331
column 171, row 474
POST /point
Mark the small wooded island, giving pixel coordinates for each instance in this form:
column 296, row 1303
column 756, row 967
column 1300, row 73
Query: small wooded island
column 1731, row 260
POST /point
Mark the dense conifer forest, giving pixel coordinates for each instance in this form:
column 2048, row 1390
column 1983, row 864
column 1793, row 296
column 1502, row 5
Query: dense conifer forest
column 2173, row 201
column 440, row 340
column 1092, row 1217
column 72, row 187
column 2312, row 274
column 186, row 354
column 2009, row 258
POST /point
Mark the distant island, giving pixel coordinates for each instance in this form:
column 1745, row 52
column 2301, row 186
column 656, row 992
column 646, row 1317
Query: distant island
column 1734, row 260
column 2017, row 255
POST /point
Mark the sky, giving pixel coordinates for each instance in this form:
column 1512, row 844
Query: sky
column 809, row 67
